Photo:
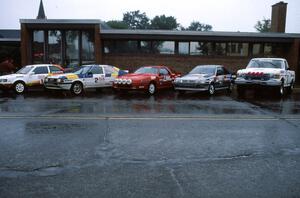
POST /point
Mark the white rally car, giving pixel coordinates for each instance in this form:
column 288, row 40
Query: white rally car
column 268, row 72
column 28, row 76
column 87, row 76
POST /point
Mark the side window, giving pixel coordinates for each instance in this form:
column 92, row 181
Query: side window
column 54, row 70
column 286, row 65
column 163, row 72
column 220, row 71
column 108, row 70
column 97, row 70
column 226, row 71
column 41, row 70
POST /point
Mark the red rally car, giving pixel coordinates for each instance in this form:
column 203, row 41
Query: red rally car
column 147, row 78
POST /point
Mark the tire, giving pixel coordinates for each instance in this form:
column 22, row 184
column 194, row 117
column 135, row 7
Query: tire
column 281, row 90
column 229, row 89
column 290, row 88
column 151, row 89
column 77, row 88
column 211, row 89
column 19, row 87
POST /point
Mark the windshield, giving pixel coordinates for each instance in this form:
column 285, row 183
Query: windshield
column 146, row 70
column 203, row 70
column 24, row 70
column 265, row 64
column 83, row 70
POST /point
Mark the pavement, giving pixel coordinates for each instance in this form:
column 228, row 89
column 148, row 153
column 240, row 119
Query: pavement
column 104, row 144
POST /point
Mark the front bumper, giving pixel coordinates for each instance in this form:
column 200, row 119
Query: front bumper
column 271, row 82
column 191, row 87
column 58, row 86
column 5, row 86
column 129, row 87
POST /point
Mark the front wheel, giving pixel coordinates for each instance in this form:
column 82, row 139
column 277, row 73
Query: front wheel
column 77, row 88
column 281, row 90
column 211, row 89
column 151, row 89
column 19, row 87
column 291, row 88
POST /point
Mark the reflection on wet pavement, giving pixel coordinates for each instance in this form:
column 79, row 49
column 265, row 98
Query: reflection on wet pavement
column 167, row 102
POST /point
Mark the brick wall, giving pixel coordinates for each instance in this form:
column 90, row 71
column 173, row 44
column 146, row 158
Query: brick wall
column 179, row 63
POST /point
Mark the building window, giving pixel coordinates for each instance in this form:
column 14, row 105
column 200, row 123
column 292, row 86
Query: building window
column 257, row 49
column 201, row 48
column 55, row 47
column 126, row 47
column 145, row 47
column 183, row 48
column 163, row 47
column 38, row 52
column 72, row 48
column 220, row 49
column 268, row 50
column 238, row 49
column 88, row 50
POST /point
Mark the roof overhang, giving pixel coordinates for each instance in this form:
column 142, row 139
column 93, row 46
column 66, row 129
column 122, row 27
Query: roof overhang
column 60, row 23
column 196, row 35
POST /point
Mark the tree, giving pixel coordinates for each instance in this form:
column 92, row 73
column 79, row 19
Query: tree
column 163, row 22
column 197, row 26
column 136, row 20
column 115, row 24
column 263, row 25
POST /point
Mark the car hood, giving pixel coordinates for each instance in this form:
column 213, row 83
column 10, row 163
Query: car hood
column 134, row 76
column 263, row 70
column 10, row 76
column 195, row 76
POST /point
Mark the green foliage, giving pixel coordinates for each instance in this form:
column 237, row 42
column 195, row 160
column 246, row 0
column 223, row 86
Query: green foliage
column 163, row 22
column 115, row 24
column 136, row 20
column 263, row 25
column 197, row 26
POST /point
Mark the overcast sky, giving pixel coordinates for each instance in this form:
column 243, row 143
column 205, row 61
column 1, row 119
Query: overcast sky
column 223, row 15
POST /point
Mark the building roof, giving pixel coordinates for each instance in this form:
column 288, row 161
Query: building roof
column 197, row 35
column 9, row 36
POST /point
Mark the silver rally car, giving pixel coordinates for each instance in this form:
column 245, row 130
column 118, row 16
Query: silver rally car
column 205, row 78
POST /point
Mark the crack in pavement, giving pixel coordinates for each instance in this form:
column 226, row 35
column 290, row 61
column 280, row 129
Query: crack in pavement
column 174, row 178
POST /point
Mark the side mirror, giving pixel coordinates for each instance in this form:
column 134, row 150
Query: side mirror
column 90, row 74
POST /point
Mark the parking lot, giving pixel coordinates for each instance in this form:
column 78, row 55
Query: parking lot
column 104, row 144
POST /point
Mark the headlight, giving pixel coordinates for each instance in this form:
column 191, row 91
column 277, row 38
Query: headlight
column 124, row 81
column 116, row 81
column 46, row 79
column 129, row 81
column 275, row 76
column 59, row 80
column 241, row 75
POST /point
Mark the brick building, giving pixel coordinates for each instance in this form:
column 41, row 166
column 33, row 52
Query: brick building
column 77, row 42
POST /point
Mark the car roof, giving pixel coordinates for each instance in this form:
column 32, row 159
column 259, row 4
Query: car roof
column 209, row 66
column 280, row 59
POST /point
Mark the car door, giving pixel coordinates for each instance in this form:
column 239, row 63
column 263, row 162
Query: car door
column 37, row 76
column 97, row 77
column 109, row 78
column 220, row 78
column 165, row 78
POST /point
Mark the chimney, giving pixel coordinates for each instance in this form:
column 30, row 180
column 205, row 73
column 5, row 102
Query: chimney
column 41, row 14
column 278, row 17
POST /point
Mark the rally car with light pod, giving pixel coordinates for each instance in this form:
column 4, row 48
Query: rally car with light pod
column 30, row 76
column 266, row 72
column 86, row 77
column 148, row 78
column 205, row 78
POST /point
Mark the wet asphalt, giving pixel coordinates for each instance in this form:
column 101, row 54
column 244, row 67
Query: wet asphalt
column 106, row 144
